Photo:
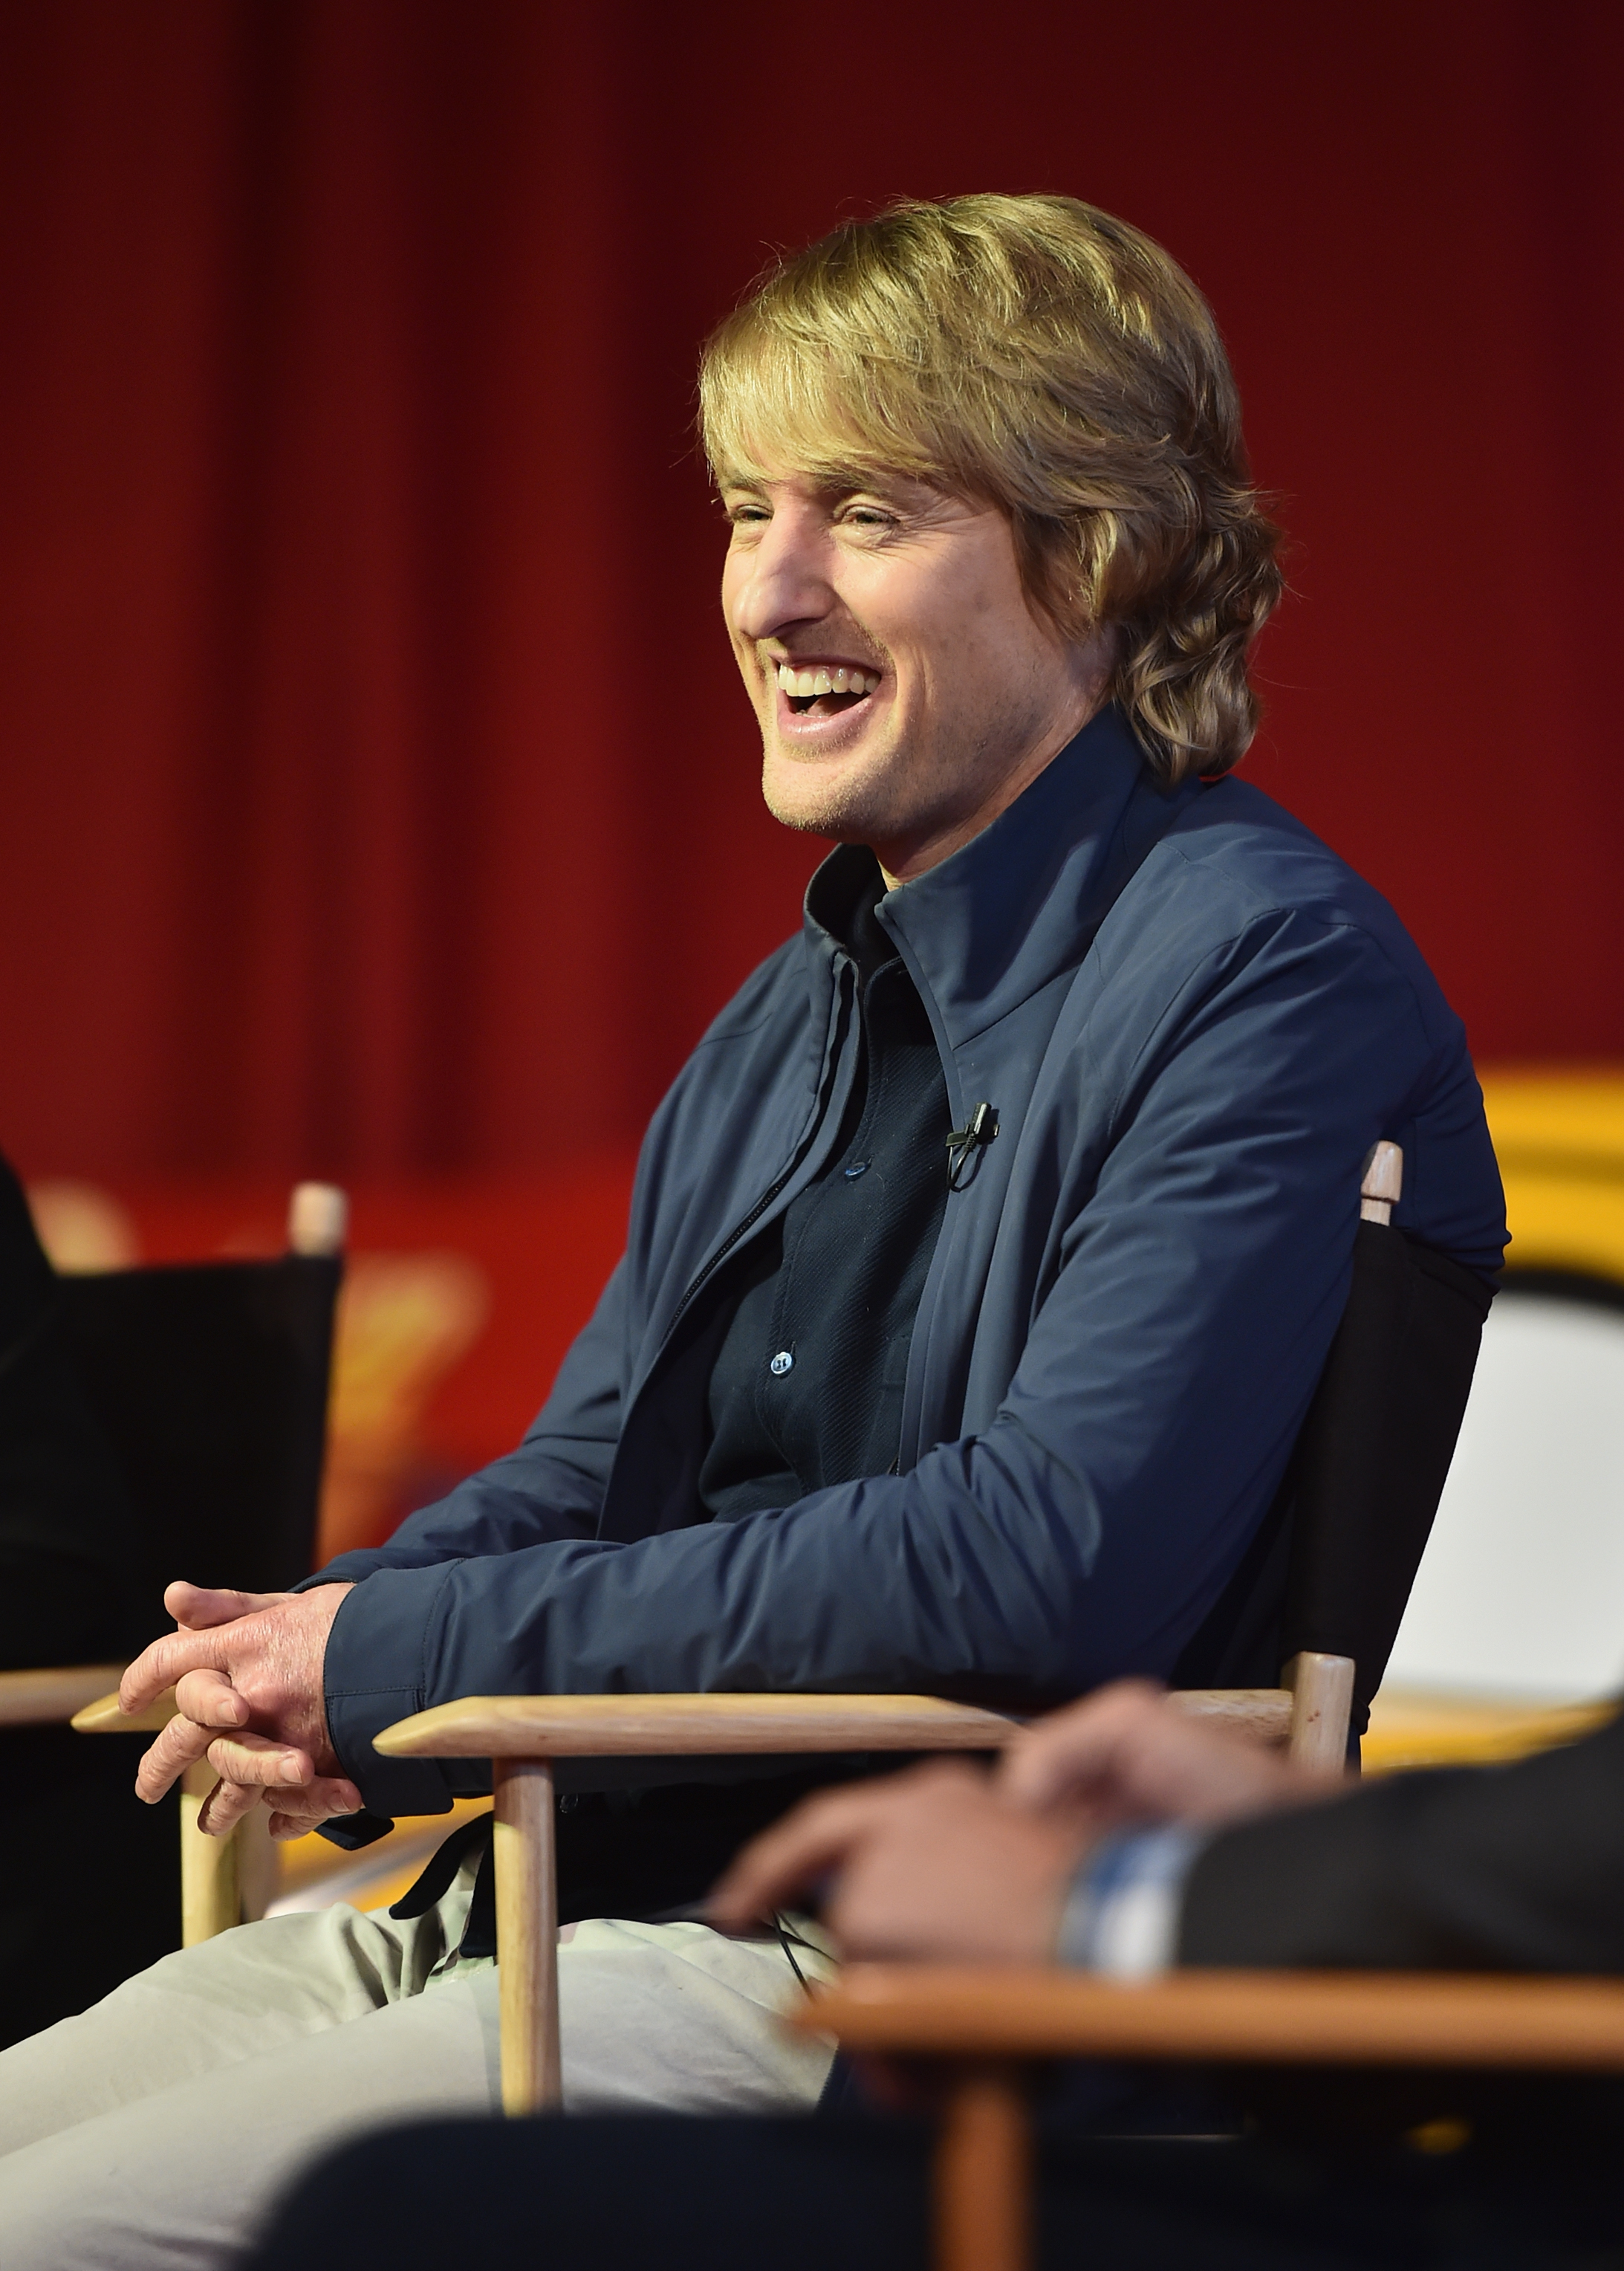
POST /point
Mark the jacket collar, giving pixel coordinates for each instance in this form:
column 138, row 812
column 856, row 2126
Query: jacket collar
column 1018, row 904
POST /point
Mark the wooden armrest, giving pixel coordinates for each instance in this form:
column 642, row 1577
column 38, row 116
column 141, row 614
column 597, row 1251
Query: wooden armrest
column 104, row 1717
column 644, row 1726
column 1263, row 1712
column 43, row 1699
column 1295, row 2018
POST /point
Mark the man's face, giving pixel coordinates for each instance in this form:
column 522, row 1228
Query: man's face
column 907, row 691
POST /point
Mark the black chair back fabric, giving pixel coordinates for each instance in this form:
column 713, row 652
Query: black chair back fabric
column 1375, row 1451
column 210, row 1382
column 1333, row 1563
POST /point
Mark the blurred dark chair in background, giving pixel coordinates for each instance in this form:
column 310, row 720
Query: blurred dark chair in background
column 153, row 1423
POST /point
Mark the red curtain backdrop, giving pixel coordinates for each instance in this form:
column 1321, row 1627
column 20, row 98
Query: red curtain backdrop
column 377, row 799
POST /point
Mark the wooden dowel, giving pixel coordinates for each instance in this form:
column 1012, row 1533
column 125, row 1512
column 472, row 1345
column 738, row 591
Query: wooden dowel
column 259, row 1864
column 1322, row 1693
column 211, row 1888
column 635, row 1726
column 318, row 1216
column 1382, row 1187
column 103, row 1716
column 983, row 2175
column 43, row 1699
column 1271, row 2018
column 527, row 1934
column 639, row 1726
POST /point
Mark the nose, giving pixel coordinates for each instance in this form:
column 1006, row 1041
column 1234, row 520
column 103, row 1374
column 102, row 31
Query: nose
column 783, row 578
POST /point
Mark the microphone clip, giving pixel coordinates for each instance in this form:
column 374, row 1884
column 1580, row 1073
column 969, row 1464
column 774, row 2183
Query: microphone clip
column 966, row 1142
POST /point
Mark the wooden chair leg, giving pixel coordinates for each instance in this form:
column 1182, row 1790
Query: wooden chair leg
column 259, row 1864
column 527, row 1933
column 1322, row 1702
column 210, row 1885
column 984, row 2173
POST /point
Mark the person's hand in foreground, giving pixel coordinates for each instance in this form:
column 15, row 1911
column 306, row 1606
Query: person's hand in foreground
column 1129, row 1754
column 247, row 1672
column 932, row 1862
column 947, row 1863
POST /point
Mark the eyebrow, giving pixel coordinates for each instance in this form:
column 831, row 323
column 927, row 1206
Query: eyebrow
column 845, row 482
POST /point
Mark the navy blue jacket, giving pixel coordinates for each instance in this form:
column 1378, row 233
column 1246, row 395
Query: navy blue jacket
column 1193, row 1021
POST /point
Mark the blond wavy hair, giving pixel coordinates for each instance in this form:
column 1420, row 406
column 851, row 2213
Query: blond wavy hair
column 1039, row 354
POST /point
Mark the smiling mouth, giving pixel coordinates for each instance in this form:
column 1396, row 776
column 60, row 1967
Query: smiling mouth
column 825, row 692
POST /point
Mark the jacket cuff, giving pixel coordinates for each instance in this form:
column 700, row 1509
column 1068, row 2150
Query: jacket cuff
column 375, row 1673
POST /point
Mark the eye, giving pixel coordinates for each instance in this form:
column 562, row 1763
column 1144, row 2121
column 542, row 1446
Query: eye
column 870, row 516
column 744, row 513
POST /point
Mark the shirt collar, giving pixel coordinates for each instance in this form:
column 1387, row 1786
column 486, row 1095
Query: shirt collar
column 1018, row 904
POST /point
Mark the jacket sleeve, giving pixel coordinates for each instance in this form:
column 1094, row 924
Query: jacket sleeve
column 1195, row 1288
column 549, row 1488
column 1485, row 1868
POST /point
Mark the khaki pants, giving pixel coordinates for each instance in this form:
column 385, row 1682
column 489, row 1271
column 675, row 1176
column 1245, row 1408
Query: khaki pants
column 156, row 2130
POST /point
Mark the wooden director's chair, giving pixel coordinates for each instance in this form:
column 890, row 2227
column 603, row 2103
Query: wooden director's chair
column 210, row 1381
column 1349, row 1525
column 983, row 2026
column 522, row 1736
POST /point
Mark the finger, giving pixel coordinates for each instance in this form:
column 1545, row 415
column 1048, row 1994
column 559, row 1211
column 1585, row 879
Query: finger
column 286, row 1827
column 210, row 1699
column 328, row 1798
column 179, row 1745
column 167, row 1661
column 225, row 1806
column 1074, row 1751
column 816, row 1837
column 257, row 1762
column 196, row 1607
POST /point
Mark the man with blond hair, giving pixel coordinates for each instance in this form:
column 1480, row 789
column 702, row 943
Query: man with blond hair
column 982, row 1261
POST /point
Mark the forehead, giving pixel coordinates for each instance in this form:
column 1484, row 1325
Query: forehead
column 793, row 424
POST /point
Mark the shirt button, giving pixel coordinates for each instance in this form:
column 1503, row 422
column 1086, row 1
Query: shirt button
column 859, row 1167
column 782, row 1363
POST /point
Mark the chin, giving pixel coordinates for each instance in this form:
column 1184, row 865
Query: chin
column 819, row 809
column 825, row 797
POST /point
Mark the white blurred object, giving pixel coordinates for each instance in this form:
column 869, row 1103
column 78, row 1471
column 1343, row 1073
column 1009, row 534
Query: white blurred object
column 318, row 1216
column 82, row 1228
column 1521, row 1590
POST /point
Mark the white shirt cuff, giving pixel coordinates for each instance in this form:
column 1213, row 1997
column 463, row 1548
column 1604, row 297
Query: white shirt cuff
column 1121, row 1915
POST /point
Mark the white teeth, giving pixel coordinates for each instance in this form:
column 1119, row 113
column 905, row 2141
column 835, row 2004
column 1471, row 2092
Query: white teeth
column 802, row 682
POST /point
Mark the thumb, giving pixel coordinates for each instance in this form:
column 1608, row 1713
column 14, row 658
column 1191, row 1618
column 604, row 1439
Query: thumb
column 196, row 1607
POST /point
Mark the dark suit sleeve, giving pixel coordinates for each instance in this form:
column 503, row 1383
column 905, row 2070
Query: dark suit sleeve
column 1474, row 1868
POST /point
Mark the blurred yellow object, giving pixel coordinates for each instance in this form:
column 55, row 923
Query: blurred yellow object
column 1418, row 1727
column 403, row 1320
column 82, row 1228
column 314, row 1874
column 1559, row 1139
column 1447, row 2134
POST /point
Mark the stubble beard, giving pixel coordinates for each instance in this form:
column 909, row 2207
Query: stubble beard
column 895, row 794
column 860, row 806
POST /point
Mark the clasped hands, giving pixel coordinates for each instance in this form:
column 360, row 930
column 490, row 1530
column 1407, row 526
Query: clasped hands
column 247, row 1671
column 947, row 1863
